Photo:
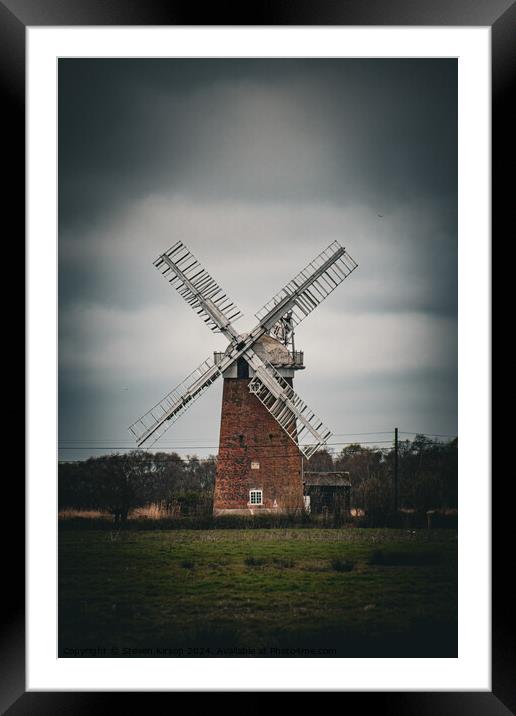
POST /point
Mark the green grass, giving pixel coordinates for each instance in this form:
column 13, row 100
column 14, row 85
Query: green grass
column 211, row 593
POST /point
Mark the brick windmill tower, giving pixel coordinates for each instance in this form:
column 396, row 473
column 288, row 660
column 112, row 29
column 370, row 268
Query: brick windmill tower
column 265, row 426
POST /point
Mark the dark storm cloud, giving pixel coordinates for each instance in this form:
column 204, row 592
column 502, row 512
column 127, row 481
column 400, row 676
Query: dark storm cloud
column 258, row 165
column 132, row 127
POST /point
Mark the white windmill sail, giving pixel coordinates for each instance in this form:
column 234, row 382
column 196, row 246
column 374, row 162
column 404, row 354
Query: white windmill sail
column 199, row 289
column 310, row 287
column 290, row 411
column 175, row 403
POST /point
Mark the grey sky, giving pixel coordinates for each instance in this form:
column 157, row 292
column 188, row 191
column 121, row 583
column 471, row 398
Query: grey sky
column 257, row 165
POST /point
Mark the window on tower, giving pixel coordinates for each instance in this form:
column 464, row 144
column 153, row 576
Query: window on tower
column 256, row 497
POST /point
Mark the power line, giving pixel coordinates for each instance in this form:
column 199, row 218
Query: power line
column 426, row 435
column 106, row 440
column 97, row 441
column 153, row 457
column 199, row 447
column 215, row 447
column 103, row 444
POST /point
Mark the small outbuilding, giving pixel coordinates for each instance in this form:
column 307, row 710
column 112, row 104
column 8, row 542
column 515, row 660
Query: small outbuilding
column 327, row 493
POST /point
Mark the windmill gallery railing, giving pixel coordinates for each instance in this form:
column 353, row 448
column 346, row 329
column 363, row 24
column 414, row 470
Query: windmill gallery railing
column 296, row 358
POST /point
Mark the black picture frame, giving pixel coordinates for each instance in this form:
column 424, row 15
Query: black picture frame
column 15, row 16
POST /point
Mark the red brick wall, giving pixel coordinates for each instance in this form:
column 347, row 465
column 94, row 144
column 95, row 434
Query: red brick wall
column 248, row 433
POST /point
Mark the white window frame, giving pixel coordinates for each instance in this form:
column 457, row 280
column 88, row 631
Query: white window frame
column 253, row 491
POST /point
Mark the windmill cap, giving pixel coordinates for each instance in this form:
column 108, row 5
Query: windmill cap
column 269, row 349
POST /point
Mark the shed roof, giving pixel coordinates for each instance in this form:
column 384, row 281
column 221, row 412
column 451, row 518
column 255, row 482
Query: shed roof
column 327, row 479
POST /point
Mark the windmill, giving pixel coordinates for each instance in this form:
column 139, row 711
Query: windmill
column 259, row 465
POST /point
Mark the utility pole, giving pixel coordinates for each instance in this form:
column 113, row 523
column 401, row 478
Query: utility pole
column 395, row 470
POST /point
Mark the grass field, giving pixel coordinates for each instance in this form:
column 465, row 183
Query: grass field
column 275, row 592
